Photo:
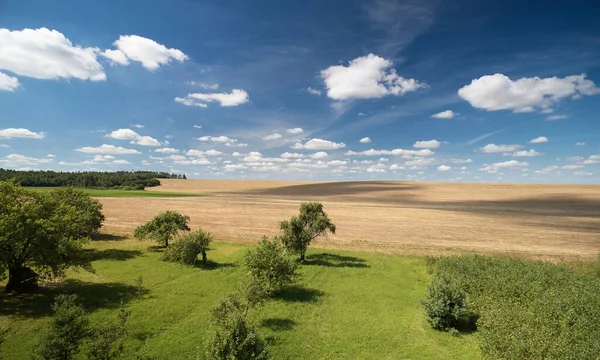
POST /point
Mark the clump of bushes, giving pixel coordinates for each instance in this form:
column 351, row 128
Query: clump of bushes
column 187, row 247
column 445, row 305
column 270, row 266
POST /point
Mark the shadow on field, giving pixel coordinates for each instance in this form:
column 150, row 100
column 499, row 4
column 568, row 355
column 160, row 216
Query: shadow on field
column 212, row 265
column 112, row 254
column 336, row 188
column 278, row 324
column 299, row 293
column 333, row 260
column 91, row 295
column 108, row 237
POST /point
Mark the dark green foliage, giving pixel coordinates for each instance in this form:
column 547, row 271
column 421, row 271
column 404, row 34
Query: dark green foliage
column 68, row 328
column 43, row 233
column 186, row 248
column 301, row 230
column 445, row 305
column 106, row 341
column 163, row 227
column 529, row 309
column 269, row 266
column 125, row 180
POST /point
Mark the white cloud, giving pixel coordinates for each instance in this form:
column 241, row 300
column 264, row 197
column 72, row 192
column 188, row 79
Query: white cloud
column 146, row 51
column 12, row 133
column 429, row 144
column 287, row 155
column 8, row 83
column 460, row 161
column 234, row 167
column 146, row 141
column 395, row 152
column 539, row 140
column 582, row 173
column 167, row 151
column 313, row 91
column 47, row 54
column 580, row 144
column 493, row 148
column 511, row 164
column 547, row 169
column 572, row 167
column 120, row 162
column 444, row 168
column 377, row 168
column 203, row 85
column 556, row 117
column 366, row 77
column 213, row 153
column 107, row 149
column 397, row 167
column 135, row 138
column 447, row 114
column 273, row 136
column 17, row 159
column 319, row 144
column 138, row 126
column 319, row 155
column 235, row 98
column 420, row 162
column 365, row 140
column 51, row 155
column 337, row 162
column 219, row 139
column 592, row 160
column 294, row 130
column 197, row 126
column 498, row 92
column 522, row 153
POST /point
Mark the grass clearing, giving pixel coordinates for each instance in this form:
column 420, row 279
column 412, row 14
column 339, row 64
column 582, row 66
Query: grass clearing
column 127, row 193
column 348, row 305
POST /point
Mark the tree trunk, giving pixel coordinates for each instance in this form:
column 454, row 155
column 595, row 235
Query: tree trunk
column 21, row 280
column 302, row 256
column 204, row 257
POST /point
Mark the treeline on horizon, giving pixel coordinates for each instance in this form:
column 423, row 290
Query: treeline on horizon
column 122, row 180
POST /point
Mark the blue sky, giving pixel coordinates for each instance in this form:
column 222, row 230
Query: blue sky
column 308, row 90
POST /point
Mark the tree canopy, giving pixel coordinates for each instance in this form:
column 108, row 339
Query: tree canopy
column 163, row 227
column 301, row 230
column 43, row 233
column 269, row 266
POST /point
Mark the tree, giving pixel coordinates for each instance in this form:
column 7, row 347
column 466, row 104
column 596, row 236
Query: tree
column 446, row 305
column 90, row 210
column 187, row 247
column 40, row 234
column 106, row 341
column 301, row 230
column 163, row 227
column 269, row 266
column 68, row 328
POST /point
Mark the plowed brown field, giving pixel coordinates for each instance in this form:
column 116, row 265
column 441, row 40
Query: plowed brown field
column 541, row 221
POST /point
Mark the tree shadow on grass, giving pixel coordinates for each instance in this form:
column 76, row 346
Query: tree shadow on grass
column 92, row 296
column 108, row 237
column 334, row 260
column 278, row 324
column 112, row 254
column 212, row 265
column 467, row 325
column 299, row 293
column 156, row 248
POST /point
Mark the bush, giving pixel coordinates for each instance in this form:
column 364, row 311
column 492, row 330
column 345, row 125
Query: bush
column 187, row 247
column 163, row 227
column 106, row 342
column 445, row 305
column 269, row 266
column 68, row 327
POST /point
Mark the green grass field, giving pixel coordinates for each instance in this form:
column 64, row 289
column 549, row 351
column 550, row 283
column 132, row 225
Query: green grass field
column 126, row 193
column 348, row 305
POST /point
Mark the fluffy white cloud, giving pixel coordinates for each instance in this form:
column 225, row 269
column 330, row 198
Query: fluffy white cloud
column 447, row 114
column 203, row 85
column 460, row 161
column 273, row 136
column 420, row 162
column 395, row 152
column 287, row 155
column 135, row 138
column 522, row 153
column 12, row 133
column 17, row 159
column 107, row 149
column 539, row 140
column 146, row 51
column 511, row 164
column 8, row 83
column 319, row 144
column 592, row 160
column 219, row 139
column 120, row 162
column 235, row 98
column 365, row 140
column 319, row 155
column 572, row 167
column 580, row 144
column 197, row 126
column 556, row 117
column 294, row 130
column 397, row 167
column 429, row 144
column 547, row 169
column 313, row 91
column 234, row 167
column 366, row 77
column 47, row 54
column 377, row 168
column 138, row 126
column 493, row 148
column 167, row 151
column 498, row 92
column 444, row 168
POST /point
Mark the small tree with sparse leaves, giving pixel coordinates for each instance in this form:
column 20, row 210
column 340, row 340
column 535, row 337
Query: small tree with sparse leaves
column 163, row 227
column 301, row 230
column 186, row 248
column 270, row 266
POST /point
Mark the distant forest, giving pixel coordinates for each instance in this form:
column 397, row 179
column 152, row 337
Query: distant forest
column 124, row 180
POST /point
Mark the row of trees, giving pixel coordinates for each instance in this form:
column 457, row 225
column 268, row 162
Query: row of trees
column 126, row 180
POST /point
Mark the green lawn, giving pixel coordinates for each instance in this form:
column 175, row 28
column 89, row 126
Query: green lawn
column 348, row 305
column 126, row 193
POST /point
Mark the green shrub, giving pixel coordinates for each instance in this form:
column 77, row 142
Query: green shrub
column 163, row 227
column 187, row 247
column 445, row 305
column 68, row 328
column 269, row 266
column 106, row 341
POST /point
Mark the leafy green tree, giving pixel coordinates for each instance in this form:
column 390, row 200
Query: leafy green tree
column 269, row 265
column 163, row 227
column 106, row 342
column 90, row 217
column 445, row 304
column 39, row 235
column 301, row 230
column 68, row 328
column 186, row 248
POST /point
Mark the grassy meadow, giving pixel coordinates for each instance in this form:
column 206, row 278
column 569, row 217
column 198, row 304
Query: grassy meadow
column 126, row 193
column 347, row 305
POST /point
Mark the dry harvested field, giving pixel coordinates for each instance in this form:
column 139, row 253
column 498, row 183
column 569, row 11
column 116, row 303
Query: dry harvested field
column 540, row 221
